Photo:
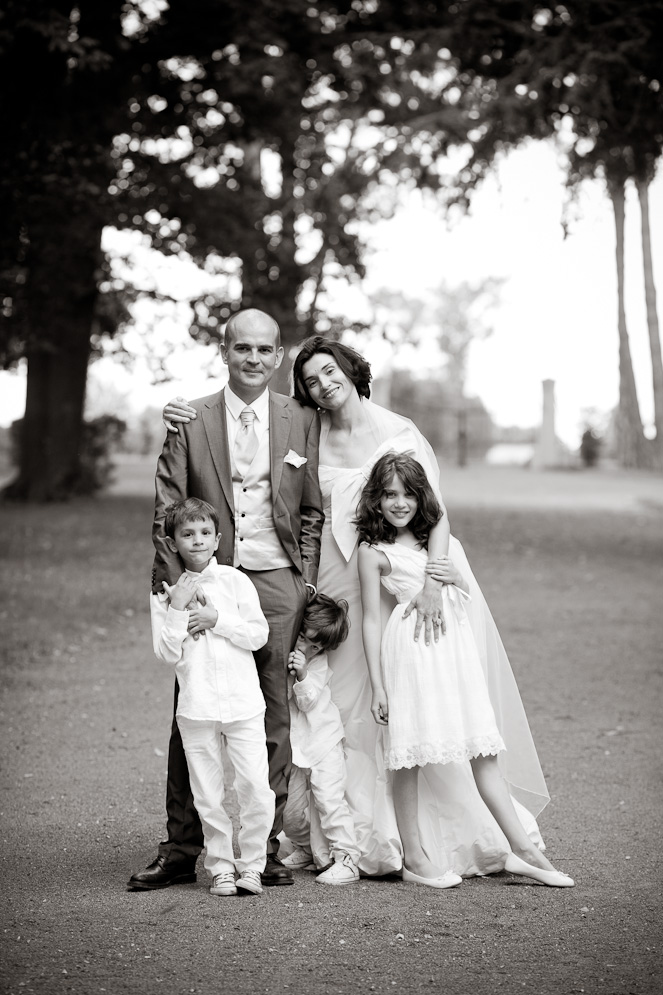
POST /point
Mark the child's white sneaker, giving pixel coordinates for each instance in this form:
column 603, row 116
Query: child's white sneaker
column 299, row 860
column 341, row 872
column 223, row 884
column 250, row 881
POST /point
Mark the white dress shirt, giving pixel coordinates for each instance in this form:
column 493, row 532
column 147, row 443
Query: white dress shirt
column 234, row 407
column 315, row 721
column 216, row 673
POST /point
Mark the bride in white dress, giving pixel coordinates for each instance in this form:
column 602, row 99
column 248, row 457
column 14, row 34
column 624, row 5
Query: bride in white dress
column 455, row 824
column 456, row 828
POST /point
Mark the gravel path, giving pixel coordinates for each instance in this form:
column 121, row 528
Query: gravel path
column 86, row 710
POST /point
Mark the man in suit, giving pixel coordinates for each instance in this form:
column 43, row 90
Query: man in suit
column 253, row 454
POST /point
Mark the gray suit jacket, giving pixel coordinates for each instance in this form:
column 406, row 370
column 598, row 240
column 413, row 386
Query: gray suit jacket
column 195, row 462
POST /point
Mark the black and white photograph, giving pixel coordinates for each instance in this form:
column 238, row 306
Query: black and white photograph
column 331, row 497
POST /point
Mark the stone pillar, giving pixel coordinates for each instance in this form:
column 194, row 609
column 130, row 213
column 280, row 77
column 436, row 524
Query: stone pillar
column 546, row 452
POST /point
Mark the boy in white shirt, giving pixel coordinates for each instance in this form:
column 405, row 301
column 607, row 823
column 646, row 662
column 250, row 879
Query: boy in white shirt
column 207, row 625
column 316, row 805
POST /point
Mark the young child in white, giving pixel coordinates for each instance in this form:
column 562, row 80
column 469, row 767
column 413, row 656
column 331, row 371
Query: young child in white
column 316, row 806
column 207, row 625
column 432, row 699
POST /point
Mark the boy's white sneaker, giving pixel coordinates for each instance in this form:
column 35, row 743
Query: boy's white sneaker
column 250, row 881
column 223, row 884
column 341, row 872
column 299, row 860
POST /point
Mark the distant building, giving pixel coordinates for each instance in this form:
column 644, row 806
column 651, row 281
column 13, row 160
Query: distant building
column 510, row 454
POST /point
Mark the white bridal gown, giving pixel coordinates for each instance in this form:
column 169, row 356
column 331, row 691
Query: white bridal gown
column 457, row 830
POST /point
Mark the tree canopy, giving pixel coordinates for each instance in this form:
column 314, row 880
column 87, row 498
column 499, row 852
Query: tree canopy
column 253, row 140
column 589, row 73
column 217, row 135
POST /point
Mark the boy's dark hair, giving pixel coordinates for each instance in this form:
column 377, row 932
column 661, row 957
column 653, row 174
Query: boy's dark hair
column 328, row 619
column 371, row 524
column 190, row 510
column 356, row 368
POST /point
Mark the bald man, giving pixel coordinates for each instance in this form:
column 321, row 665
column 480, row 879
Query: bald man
column 267, row 495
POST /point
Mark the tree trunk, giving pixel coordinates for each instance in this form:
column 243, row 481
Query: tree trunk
column 61, row 297
column 652, row 319
column 461, row 437
column 290, row 273
column 631, row 442
column 270, row 275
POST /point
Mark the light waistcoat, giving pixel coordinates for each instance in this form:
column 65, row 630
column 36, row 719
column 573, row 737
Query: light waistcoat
column 257, row 545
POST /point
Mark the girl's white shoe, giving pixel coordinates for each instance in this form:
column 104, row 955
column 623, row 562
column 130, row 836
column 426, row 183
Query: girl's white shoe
column 447, row 880
column 554, row 879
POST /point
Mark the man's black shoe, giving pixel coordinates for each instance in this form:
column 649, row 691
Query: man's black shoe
column 161, row 873
column 275, row 873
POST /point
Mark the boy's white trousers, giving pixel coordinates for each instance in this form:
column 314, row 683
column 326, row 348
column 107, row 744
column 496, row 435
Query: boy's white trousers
column 317, row 817
column 247, row 749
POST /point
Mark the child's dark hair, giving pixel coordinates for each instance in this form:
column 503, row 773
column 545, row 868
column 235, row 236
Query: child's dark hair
column 328, row 619
column 371, row 524
column 190, row 510
column 356, row 368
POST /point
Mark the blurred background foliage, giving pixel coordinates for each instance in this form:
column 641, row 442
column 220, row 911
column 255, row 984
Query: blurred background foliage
column 254, row 140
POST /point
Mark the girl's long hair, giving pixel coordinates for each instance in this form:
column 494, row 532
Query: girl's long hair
column 371, row 524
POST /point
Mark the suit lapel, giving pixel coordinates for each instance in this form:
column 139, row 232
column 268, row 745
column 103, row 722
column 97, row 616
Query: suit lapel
column 216, row 429
column 280, row 417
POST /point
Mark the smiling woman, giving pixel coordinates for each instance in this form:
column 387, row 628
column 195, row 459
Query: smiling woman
column 454, row 823
column 326, row 372
column 326, row 383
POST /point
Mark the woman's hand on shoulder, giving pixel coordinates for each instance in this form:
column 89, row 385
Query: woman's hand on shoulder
column 428, row 606
column 177, row 410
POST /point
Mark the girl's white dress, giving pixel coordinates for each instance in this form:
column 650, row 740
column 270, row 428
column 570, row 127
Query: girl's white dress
column 439, row 707
column 454, row 823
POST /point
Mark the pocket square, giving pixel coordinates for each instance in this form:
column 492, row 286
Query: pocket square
column 294, row 460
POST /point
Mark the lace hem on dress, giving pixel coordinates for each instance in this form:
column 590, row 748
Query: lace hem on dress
column 443, row 753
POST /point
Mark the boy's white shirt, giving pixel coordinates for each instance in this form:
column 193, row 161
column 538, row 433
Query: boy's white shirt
column 216, row 673
column 315, row 721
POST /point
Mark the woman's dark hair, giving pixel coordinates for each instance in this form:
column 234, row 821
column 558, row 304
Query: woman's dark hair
column 355, row 367
column 371, row 524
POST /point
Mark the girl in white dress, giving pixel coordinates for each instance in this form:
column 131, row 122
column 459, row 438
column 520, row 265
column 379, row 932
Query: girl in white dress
column 431, row 698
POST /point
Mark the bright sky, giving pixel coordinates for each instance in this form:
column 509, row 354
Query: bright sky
column 557, row 317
